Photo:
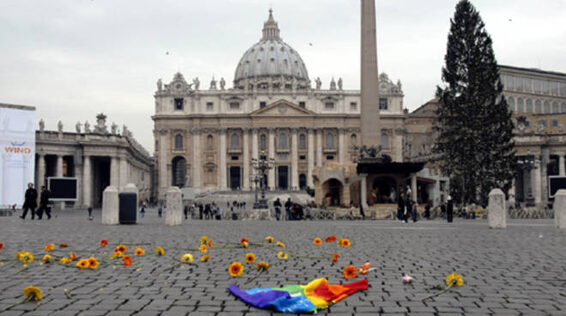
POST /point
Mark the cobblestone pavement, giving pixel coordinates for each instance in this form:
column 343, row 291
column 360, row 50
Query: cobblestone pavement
column 520, row 270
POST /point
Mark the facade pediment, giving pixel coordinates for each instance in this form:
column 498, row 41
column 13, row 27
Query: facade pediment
column 282, row 107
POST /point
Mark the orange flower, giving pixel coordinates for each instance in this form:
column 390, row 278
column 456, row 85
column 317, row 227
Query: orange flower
column 250, row 258
column 93, row 263
column 236, row 269
column 365, row 268
column 203, row 249
column 204, row 258
column 122, row 248
column 63, row 245
column 72, row 256
column 269, row 239
column 127, row 261
column 245, row 244
column 159, row 251
column 103, row 243
column 82, row 264
column 117, row 254
column 317, row 241
column 330, row 239
column 139, row 252
column 350, row 272
column 262, row 266
column 280, row 244
column 334, row 257
column 243, row 240
column 49, row 247
column 344, row 243
column 210, row 244
column 47, row 259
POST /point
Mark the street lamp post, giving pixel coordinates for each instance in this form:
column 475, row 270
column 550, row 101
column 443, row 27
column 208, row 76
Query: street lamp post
column 527, row 163
column 261, row 165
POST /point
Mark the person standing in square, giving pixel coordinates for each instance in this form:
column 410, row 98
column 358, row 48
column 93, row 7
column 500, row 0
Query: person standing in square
column 30, row 201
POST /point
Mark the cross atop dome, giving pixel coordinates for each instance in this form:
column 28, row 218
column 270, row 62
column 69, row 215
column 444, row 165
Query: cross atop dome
column 270, row 28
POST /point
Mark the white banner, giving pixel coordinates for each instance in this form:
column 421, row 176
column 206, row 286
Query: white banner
column 17, row 159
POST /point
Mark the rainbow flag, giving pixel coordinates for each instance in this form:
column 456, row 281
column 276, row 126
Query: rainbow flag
column 314, row 296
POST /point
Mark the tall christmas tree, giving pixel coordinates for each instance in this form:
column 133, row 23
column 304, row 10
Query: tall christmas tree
column 475, row 130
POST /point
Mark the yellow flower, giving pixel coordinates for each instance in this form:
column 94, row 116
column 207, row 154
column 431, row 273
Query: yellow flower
column 280, row 244
column 33, row 293
column 204, row 258
column 121, row 248
column 82, row 264
column 236, row 269
column 93, row 263
column 139, row 252
column 454, row 279
column 203, row 249
column 49, row 247
column 245, row 244
column 117, row 254
column 159, row 251
column 187, row 258
column 204, row 240
column 282, row 255
column 25, row 256
column 262, row 265
column 250, row 258
column 317, row 241
column 47, row 259
column 269, row 239
column 65, row 260
column 344, row 243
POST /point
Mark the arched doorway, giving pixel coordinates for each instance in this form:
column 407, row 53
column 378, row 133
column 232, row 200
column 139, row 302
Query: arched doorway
column 179, row 169
column 383, row 190
column 332, row 189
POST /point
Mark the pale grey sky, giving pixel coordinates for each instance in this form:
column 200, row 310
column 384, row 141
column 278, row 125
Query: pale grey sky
column 73, row 59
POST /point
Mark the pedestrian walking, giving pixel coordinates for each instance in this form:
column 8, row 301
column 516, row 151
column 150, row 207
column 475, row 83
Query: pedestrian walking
column 450, row 210
column 288, row 205
column 90, row 218
column 142, row 211
column 414, row 211
column 160, row 211
column 277, row 205
column 186, row 211
column 43, row 203
column 30, row 201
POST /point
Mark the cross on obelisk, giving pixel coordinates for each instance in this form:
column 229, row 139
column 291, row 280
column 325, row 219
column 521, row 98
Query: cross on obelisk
column 369, row 117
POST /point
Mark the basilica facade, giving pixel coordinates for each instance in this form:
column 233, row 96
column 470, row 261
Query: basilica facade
column 206, row 138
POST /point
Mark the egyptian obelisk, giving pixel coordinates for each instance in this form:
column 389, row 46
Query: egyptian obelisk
column 369, row 117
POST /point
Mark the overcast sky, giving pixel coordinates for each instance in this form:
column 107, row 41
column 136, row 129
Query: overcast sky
column 76, row 58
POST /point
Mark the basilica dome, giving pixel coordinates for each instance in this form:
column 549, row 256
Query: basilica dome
column 271, row 60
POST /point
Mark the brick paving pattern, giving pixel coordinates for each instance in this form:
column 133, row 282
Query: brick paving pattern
column 517, row 271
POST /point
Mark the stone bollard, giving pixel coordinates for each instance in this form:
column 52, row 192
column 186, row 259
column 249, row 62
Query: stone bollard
column 560, row 209
column 110, row 206
column 131, row 188
column 174, row 214
column 497, row 214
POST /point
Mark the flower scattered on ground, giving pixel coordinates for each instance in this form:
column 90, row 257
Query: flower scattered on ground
column 454, row 279
column 65, row 260
column 49, row 247
column 280, row 244
column 343, row 242
column 204, row 240
column 204, row 258
column 262, row 266
column 72, row 256
column 127, row 261
column 82, row 264
column 203, row 249
column 24, row 256
column 364, row 269
column 407, row 279
column 63, row 245
column 350, row 272
column 122, row 248
column 48, row 259
column 236, row 269
column 93, row 263
column 245, row 244
column 1, row 246
column 187, row 258
column 317, row 241
column 330, row 239
column 33, row 293
column 103, row 243
column 117, row 254
column 282, row 255
column 139, row 252
column 250, row 258
column 159, row 251
column 210, row 244
column 269, row 239
column 334, row 257
column 243, row 240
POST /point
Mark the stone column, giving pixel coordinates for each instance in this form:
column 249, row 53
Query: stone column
column 414, row 188
column 364, row 191
column 174, row 211
column 561, row 167
column 196, row 155
column 87, row 182
column 310, row 158
column 560, row 209
column 370, row 126
column 341, row 146
column 294, row 161
column 255, row 142
column 41, row 172
column 545, row 159
column 537, row 182
column 123, row 173
column 222, row 163
column 497, row 214
column 511, row 193
column 319, row 146
column 114, row 172
column 59, row 172
column 246, row 157
column 78, row 171
column 162, row 164
column 271, row 173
